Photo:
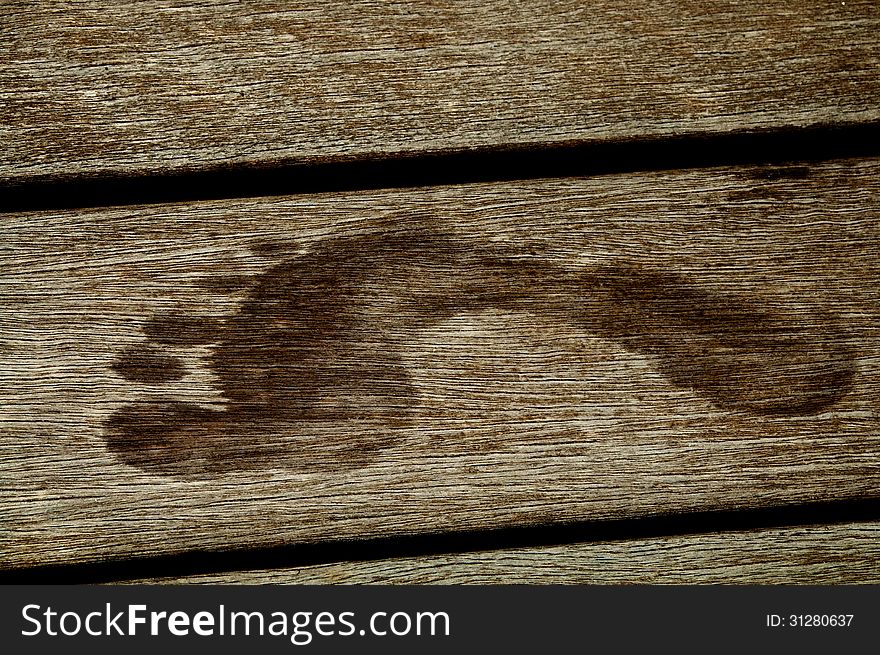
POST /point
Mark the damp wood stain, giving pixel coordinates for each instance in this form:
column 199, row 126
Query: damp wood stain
column 310, row 366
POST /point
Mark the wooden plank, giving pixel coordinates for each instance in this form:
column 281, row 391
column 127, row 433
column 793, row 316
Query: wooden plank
column 100, row 86
column 829, row 554
column 271, row 371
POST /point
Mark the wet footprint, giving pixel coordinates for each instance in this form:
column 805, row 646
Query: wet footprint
column 311, row 375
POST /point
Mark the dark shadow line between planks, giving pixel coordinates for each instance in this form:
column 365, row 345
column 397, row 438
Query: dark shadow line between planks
column 199, row 562
column 443, row 167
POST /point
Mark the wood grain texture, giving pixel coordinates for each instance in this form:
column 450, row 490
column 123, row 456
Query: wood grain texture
column 259, row 372
column 831, row 554
column 151, row 86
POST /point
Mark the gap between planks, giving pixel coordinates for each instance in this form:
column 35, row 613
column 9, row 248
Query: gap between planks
column 352, row 558
column 815, row 555
column 407, row 170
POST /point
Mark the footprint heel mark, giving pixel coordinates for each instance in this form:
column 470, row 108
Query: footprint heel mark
column 740, row 353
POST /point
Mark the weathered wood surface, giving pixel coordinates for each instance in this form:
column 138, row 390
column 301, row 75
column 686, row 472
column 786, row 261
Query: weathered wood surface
column 258, row 372
column 828, row 554
column 146, row 86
